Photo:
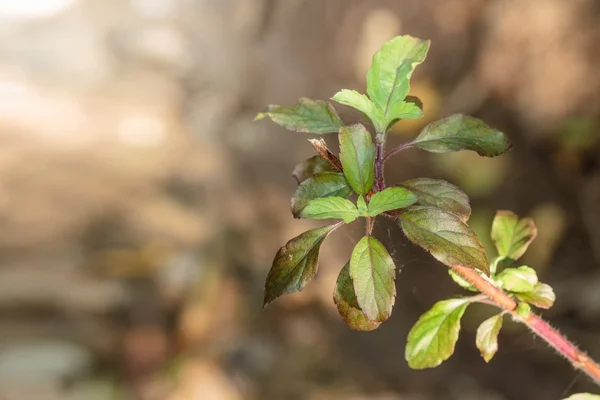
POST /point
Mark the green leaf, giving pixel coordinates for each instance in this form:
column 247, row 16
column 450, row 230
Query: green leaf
column 512, row 235
column 312, row 116
column 324, row 184
column 432, row 339
column 440, row 194
column 373, row 271
column 449, row 239
column 388, row 78
column 523, row 309
column 487, row 336
column 362, row 207
column 542, row 296
column 310, row 167
column 295, row 264
column 405, row 110
column 465, row 284
column 347, row 304
column 461, row 132
column 583, row 396
column 330, row 207
column 518, row 280
column 390, row 199
column 357, row 154
column 361, row 103
column 500, row 263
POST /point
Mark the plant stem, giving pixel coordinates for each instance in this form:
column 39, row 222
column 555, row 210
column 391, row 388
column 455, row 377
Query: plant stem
column 543, row 329
column 379, row 163
column 397, row 150
column 369, row 222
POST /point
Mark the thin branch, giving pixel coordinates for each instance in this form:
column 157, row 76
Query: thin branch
column 543, row 329
column 397, row 150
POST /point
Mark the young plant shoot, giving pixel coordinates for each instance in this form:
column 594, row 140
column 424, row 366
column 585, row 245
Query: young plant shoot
column 431, row 213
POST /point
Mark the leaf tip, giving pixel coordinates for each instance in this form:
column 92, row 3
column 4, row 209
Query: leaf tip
column 336, row 96
column 260, row 116
column 267, row 300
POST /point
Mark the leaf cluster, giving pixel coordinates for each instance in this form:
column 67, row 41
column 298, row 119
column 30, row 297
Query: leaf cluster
column 431, row 213
column 346, row 186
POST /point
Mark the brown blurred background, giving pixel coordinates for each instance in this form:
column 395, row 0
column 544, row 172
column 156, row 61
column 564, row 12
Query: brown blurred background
column 140, row 206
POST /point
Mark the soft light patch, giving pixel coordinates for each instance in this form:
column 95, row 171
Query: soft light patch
column 32, row 9
column 478, row 176
column 142, row 130
column 551, row 221
column 379, row 26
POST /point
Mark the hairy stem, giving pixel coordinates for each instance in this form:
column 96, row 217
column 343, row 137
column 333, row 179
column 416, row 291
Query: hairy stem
column 543, row 329
column 379, row 163
column 369, row 222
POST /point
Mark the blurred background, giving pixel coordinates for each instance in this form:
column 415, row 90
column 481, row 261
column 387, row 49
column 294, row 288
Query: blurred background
column 140, row 206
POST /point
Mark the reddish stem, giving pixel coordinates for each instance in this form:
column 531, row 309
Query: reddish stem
column 543, row 329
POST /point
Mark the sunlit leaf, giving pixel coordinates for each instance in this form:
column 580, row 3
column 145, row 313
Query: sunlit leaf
column 461, row 132
column 312, row 116
column 361, row 103
column 330, row 207
column 583, row 396
column 373, row 271
column 405, row 110
column 487, row 336
column 390, row 199
column 295, row 264
column 310, row 167
column 388, row 78
column 518, row 280
column 512, row 235
column 347, row 304
column 441, row 194
column 449, row 239
column 324, row 184
column 357, row 154
column 542, row 296
column 432, row 339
